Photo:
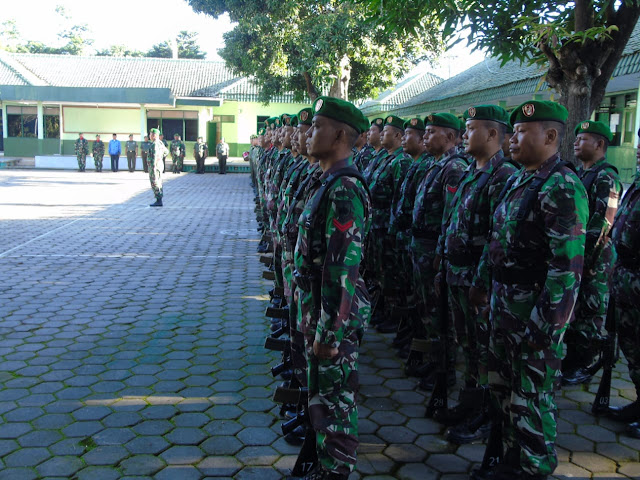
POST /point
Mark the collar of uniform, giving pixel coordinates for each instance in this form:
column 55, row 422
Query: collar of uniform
column 340, row 164
column 594, row 165
column 547, row 165
column 398, row 152
column 447, row 154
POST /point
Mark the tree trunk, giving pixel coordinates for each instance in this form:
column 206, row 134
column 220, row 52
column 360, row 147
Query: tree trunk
column 311, row 88
column 340, row 87
column 576, row 97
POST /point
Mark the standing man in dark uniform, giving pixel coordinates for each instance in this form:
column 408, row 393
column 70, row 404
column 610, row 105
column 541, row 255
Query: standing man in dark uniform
column 532, row 267
column 334, row 306
column 222, row 152
column 132, row 153
column 200, row 152
column 176, row 153
column 604, row 189
column 114, row 152
column 98, row 153
column 144, row 153
column 82, row 149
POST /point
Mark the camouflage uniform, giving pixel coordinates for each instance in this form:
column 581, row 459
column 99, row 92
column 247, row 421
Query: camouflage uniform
column 144, row 153
column 331, row 249
column 364, row 156
column 586, row 330
column 98, row 154
column 460, row 247
column 625, row 282
column 535, row 266
column 157, row 154
column 82, row 149
column 374, row 163
column 200, row 153
column 177, row 155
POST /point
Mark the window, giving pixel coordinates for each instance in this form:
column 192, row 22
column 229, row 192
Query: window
column 170, row 122
column 261, row 119
column 51, row 118
column 22, row 121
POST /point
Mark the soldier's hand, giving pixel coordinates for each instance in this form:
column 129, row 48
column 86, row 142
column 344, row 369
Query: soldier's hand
column 477, row 298
column 324, row 352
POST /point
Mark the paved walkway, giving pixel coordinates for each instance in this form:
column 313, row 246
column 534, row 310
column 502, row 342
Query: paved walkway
column 131, row 347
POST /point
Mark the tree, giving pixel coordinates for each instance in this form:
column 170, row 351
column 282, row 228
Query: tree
column 187, row 47
column 579, row 42
column 119, row 51
column 315, row 47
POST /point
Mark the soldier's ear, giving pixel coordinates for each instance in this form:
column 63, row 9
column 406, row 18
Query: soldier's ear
column 551, row 136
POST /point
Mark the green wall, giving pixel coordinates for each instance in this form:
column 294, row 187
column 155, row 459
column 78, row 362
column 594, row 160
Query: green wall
column 30, row 147
column 624, row 159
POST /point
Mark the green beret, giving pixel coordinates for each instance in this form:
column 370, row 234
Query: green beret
column 277, row 122
column 262, row 131
column 305, row 116
column 176, row 135
column 447, row 120
column 394, row 122
column 463, row 124
column 487, row 112
column 285, row 120
column 539, row 111
column 599, row 128
column 415, row 123
column 270, row 122
column 294, row 120
column 154, row 130
column 341, row 111
column 378, row 122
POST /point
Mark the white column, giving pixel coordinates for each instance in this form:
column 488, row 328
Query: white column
column 637, row 125
column 40, row 121
column 5, row 129
column 61, row 129
column 143, row 122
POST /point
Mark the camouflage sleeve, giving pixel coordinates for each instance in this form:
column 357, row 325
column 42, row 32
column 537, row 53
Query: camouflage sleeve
column 607, row 189
column 564, row 209
column 497, row 184
column 345, row 227
column 152, row 153
column 77, row 147
column 450, row 181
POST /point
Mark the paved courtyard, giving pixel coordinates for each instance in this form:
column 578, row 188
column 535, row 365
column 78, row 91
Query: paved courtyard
column 131, row 346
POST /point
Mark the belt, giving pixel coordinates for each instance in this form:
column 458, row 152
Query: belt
column 519, row 276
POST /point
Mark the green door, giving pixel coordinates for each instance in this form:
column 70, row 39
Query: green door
column 212, row 140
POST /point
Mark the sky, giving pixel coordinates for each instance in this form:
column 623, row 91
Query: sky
column 139, row 24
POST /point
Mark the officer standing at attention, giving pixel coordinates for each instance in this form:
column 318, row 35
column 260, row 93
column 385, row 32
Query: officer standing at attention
column 222, row 152
column 98, row 153
column 176, row 153
column 200, row 152
column 157, row 154
column 82, row 149
column 334, row 306
column 144, row 153
column 604, row 189
column 132, row 152
column 625, row 291
column 532, row 266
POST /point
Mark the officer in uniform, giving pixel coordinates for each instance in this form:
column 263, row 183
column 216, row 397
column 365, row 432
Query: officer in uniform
column 177, row 153
column 600, row 179
column 82, row 149
column 200, row 152
column 464, row 235
column 625, row 291
column 98, row 153
column 532, row 267
column 166, row 145
column 132, row 153
column 374, row 137
column 157, row 155
column 333, row 303
column 144, row 153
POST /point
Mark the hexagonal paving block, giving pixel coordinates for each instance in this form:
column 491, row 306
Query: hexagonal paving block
column 263, row 455
column 219, row 466
column 98, row 473
column 15, row 473
column 141, row 465
column 60, row 466
column 14, row 430
column 52, row 421
column 23, row 414
column 182, row 472
column 27, row 457
column 182, row 455
column 92, row 412
column 105, row 455
column 397, row 434
column 113, row 436
column 186, row 436
column 447, row 463
column 38, row 438
column 158, row 412
column 257, row 436
column 221, row 445
column 417, row 471
column 151, row 445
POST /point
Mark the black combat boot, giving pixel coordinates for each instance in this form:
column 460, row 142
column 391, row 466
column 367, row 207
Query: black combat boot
column 158, row 203
column 633, row 429
column 628, row 413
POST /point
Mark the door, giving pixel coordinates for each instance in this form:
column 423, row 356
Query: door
column 212, row 137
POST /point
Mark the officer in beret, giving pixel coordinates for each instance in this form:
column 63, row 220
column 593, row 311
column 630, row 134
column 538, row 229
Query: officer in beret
column 432, row 206
column 200, row 153
column 604, row 189
column 82, row 149
column 157, row 154
column 333, row 303
column 625, row 291
column 98, row 153
column 532, row 267
column 363, row 152
column 374, row 137
column 460, row 247
column 384, row 185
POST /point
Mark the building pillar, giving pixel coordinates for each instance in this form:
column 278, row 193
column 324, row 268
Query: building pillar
column 40, row 121
column 61, row 129
column 5, row 127
column 143, row 122
column 637, row 125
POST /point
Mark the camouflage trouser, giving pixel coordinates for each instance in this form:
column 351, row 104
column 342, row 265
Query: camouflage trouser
column 82, row 161
column 629, row 338
column 374, row 256
column 97, row 161
column 422, row 255
column 155, row 177
column 176, row 160
column 587, row 329
column 298, row 360
column 472, row 335
column 523, row 381
column 333, row 385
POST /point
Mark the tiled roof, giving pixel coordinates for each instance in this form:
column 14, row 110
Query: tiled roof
column 413, row 84
column 9, row 77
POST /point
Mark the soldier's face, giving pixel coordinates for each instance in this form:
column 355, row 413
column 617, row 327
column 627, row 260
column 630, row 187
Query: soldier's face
column 302, row 137
column 412, row 141
column 585, row 148
column 526, row 142
column 287, row 132
column 321, row 137
column 373, row 137
column 152, row 136
column 476, row 137
column 388, row 137
column 436, row 139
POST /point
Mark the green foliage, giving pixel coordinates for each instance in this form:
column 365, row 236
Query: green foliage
column 187, row 47
column 299, row 47
column 119, row 51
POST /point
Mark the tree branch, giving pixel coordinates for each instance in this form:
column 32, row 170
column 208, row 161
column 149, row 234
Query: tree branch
column 311, row 89
column 583, row 15
column 554, row 74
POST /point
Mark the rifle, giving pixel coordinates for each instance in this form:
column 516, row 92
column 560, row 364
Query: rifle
column 608, row 361
column 439, row 397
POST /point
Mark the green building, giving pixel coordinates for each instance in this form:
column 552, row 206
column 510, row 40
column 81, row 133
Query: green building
column 46, row 100
column 513, row 84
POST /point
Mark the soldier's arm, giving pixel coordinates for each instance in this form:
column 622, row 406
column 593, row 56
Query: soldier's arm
column 345, row 224
column 450, row 182
column 564, row 210
column 607, row 189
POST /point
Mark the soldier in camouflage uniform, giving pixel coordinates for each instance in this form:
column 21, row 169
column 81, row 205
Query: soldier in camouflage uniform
column 157, row 155
column 333, row 302
column 384, row 185
column 604, row 188
column 144, row 153
column 532, row 267
column 82, row 149
column 98, row 153
column 464, row 235
column 365, row 152
column 432, row 206
column 200, row 153
column 625, row 291
column 177, row 153
column 374, row 138
column 132, row 152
